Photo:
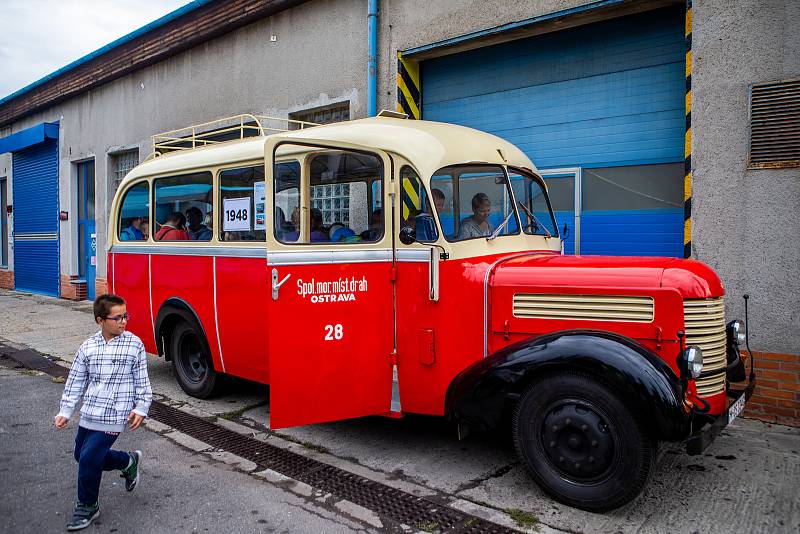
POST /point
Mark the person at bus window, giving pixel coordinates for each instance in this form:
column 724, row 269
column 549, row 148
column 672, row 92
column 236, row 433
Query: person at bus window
column 133, row 232
column 197, row 230
column 145, row 229
column 373, row 233
column 173, row 229
column 438, row 200
column 318, row 233
column 478, row 224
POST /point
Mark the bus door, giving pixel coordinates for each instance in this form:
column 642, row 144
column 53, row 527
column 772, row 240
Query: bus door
column 330, row 312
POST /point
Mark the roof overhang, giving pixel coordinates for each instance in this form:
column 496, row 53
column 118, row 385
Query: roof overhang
column 29, row 137
column 588, row 13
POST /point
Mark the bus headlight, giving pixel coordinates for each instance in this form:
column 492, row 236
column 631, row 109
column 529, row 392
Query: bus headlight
column 693, row 357
column 736, row 329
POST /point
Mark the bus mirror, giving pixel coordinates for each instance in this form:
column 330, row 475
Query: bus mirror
column 407, row 235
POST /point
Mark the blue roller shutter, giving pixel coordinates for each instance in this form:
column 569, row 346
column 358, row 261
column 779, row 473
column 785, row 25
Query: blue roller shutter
column 607, row 95
column 35, row 186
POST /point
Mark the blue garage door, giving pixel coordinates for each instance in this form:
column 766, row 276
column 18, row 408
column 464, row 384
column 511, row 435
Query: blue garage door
column 607, row 98
column 35, row 186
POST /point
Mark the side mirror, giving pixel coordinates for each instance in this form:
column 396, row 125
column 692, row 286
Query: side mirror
column 407, row 235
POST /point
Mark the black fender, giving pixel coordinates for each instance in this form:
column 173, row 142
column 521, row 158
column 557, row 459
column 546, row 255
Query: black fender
column 171, row 311
column 480, row 395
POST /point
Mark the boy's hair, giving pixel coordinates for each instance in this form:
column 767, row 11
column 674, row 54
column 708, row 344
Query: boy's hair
column 104, row 303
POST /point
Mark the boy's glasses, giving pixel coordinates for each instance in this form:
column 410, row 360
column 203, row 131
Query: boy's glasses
column 118, row 318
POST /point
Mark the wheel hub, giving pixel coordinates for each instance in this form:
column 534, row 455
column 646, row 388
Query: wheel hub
column 577, row 440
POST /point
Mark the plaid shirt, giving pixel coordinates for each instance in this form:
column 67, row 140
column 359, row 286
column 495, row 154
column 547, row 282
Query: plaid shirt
column 114, row 376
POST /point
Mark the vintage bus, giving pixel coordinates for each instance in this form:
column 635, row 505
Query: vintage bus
column 389, row 266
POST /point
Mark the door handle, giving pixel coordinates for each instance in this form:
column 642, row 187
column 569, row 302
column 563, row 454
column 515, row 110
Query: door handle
column 277, row 285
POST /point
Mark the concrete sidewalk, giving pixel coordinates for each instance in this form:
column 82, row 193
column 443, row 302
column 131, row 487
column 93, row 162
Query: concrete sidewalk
column 746, row 482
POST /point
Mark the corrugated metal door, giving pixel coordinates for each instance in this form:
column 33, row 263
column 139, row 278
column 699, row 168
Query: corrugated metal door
column 36, row 265
column 607, row 98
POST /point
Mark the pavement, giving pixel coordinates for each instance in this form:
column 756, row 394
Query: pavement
column 746, row 481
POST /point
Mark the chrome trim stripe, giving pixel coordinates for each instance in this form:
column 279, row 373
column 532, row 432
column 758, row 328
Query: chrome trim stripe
column 167, row 250
column 486, row 296
column 216, row 318
column 150, row 291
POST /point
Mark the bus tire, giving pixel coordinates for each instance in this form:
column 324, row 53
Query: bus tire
column 581, row 443
column 192, row 364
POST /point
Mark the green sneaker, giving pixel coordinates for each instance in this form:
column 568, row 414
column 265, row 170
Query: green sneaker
column 83, row 516
column 131, row 473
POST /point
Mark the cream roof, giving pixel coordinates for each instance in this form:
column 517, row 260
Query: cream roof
column 428, row 145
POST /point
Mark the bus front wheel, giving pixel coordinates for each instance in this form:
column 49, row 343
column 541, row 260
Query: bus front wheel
column 581, row 443
column 191, row 363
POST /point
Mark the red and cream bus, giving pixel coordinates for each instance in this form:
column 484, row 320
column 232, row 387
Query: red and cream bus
column 387, row 266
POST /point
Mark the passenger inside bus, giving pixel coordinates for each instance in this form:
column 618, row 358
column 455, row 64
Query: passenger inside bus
column 477, row 225
column 197, row 230
column 134, row 231
column 173, row 229
column 373, row 233
column 145, row 228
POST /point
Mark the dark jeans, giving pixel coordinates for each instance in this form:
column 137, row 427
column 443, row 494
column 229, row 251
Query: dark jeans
column 94, row 455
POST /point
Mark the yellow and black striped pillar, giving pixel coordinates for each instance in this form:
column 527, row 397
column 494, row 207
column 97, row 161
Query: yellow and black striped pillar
column 687, row 148
column 409, row 89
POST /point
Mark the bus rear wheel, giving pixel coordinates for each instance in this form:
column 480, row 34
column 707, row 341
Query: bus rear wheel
column 191, row 363
column 581, row 444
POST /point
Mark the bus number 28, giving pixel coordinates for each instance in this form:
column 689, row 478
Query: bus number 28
column 333, row 332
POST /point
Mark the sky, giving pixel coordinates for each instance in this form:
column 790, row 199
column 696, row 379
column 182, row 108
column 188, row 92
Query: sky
column 39, row 37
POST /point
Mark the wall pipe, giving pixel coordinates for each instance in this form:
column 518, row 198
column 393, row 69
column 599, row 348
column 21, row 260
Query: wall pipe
column 372, row 61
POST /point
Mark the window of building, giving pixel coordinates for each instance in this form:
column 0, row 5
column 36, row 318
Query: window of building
column 417, row 211
column 242, row 200
column 340, row 207
column 636, row 187
column 3, row 223
column 323, row 115
column 183, row 207
column 134, row 215
column 774, row 129
column 122, row 163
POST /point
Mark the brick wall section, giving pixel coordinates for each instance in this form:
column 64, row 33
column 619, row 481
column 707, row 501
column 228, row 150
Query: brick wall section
column 777, row 395
column 100, row 286
column 70, row 290
column 6, row 279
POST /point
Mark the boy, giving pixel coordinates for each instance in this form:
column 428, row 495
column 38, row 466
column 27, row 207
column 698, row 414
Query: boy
column 113, row 364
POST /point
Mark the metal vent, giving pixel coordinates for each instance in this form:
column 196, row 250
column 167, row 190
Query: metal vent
column 584, row 307
column 775, row 125
column 704, row 320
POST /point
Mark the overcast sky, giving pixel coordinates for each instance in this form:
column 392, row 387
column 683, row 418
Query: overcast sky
column 38, row 37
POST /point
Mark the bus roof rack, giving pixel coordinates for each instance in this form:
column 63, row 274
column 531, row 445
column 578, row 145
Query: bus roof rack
column 222, row 130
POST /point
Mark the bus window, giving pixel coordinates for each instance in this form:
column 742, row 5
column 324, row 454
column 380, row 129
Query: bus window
column 243, row 214
column 340, row 206
column 287, row 201
column 181, row 206
column 133, row 217
column 417, row 210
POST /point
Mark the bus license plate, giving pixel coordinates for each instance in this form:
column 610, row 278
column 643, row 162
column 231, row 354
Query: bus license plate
column 735, row 409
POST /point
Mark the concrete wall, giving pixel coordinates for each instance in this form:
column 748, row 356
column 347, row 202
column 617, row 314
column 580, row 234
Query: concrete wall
column 746, row 224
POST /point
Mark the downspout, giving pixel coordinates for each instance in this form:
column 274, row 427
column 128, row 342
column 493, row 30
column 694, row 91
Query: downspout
column 372, row 61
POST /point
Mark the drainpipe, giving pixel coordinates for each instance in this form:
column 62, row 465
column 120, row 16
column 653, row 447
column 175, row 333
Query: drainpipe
column 372, row 65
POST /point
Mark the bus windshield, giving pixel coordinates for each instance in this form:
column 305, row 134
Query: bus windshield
column 474, row 201
column 534, row 206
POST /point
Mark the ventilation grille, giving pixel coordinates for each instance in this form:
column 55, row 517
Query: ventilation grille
column 704, row 320
column 584, row 307
column 775, row 125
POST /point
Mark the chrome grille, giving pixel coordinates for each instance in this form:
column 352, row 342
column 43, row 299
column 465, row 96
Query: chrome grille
column 638, row 309
column 704, row 320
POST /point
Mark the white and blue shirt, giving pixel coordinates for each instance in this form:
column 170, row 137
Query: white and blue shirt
column 113, row 375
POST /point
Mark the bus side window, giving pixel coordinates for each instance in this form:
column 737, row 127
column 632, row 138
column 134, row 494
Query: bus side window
column 417, row 211
column 133, row 217
column 287, row 201
column 243, row 215
column 181, row 205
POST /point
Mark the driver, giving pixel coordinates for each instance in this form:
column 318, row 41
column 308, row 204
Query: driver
column 478, row 224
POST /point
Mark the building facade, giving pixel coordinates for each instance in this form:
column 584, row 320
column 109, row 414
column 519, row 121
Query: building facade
column 661, row 127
